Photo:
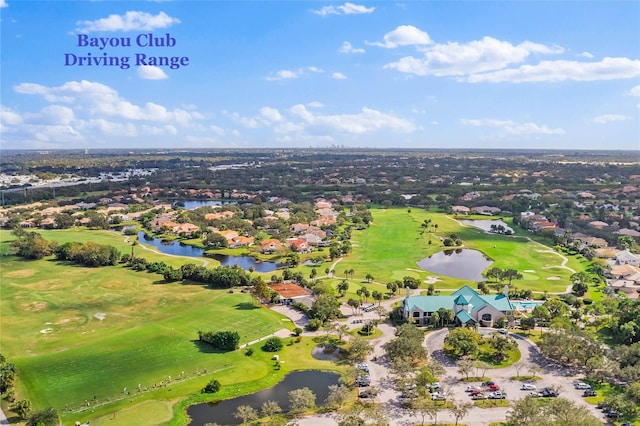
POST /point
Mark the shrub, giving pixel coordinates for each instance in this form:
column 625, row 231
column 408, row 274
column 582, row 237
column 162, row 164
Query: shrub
column 249, row 352
column 212, row 387
column 221, row 340
column 587, row 301
column 273, row 344
column 297, row 331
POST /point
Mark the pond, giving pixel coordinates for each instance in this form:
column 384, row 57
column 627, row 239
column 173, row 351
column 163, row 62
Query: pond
column 222, row 412
column 485, row 225
column 460, row 263
column 179, row 249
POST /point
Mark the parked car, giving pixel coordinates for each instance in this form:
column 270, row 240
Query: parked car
column 363, row 366
column 534, row 394
column 363, row 381
column 582, row 385
column 368, row 393
column 503, row 331
column 437, row 396
column 494, row 387
column 476, row 391
column 478, row 396
column 471, row 388
column 497, row 395
column 435, row 386
column 549, row 393
column 528, row 386
column 589, row 392
column 488, row 383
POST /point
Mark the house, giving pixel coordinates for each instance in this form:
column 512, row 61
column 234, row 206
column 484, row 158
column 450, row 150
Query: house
column 289, row 292
column 625, row 257
column 469, row 306
column 270, row 245
column 460, row 209
column 487, row 210
column 300, row 245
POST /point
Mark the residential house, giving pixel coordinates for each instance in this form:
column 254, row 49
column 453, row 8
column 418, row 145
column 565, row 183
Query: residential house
column 625, row 257
column 461, row 209
column 469, row 306
column 270, row 245
column 299, row 245
column 487, row 210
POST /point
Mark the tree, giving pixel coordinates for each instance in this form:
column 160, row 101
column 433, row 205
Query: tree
column 273, row 344
column 47, row 417
column 557, row 411
column 501, row 344
column 343, row 287
column 459, row 410
column 465, row 367
column 407, row 345
column 392, row 287
column 270, row 409
column 326, row 307
column 355, row 304
column 359, row 349
column 511, row 274
column 302, row 399
column 341, row 329
column 462, row 342
column 481, row 367
column 216, row 241
column 337, row 395
column 212, row 387
column 369, row 278
column 23, row 408
column 541, row 314
column 246, row 414
column 364, row 293
column 527, row 323
column 376, row 296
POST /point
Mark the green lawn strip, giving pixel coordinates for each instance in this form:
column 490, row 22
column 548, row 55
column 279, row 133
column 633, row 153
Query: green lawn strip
column 487, row 355
column 146, row 413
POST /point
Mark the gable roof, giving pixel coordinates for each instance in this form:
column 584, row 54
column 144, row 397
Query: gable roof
column 473, row 299
column 464, row 317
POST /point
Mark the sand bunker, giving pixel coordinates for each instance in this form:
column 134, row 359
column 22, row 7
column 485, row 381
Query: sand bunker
column 531, row 271
column 46, row 330
column 554, row 278
column 100, row 316
column 23, row 273
column 432, row 280
column 34, row 306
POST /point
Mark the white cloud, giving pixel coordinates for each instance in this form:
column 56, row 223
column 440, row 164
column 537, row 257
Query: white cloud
column 348, row 48
column 477, row 56
column 150, row 72
column 271, row 114
column 315, row 104
column 217, row 130
column 57, row 114
column 8, row 116
column 339, row 76
column 315, row 69
column 585, row 54
column 3, row 3
column 368, row 120
column 130, row 21
column 635, row 91
column 345, row 9
column 97, row 99
column 606, row 69
column 404, row 35
column 608, row 118
column 284, row 75
column 512, row 127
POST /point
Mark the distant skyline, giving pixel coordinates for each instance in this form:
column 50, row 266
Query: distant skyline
column 278, row 74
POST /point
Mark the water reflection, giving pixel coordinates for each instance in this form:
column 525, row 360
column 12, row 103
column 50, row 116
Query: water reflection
column 222, row 412
column 458, row 263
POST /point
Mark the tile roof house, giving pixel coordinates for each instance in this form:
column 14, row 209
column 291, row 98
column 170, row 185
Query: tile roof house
column 289, row 292
column 469, row 306
column 270, row 245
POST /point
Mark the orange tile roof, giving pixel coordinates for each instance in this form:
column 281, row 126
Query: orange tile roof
column 289, row 290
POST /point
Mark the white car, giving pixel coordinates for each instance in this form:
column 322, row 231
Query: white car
column 528, row 386
column 503, row 331
column 437, row 396
column 471, row 388
column 582, row 385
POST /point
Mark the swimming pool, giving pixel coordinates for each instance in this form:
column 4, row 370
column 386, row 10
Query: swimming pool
column 526, row 305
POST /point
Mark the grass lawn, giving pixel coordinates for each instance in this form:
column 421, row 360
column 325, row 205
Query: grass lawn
column 391, row 247
column 75, row 333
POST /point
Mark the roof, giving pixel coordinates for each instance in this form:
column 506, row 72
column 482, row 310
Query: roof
column 289, row 290
column 474, row 299
column 464, row 317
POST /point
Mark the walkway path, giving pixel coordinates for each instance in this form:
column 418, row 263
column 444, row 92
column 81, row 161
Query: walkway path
column 3, row 419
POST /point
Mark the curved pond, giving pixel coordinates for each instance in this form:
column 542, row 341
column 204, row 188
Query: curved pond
column 179, row 249
column 485, row 224
column 222, row 412
column 459, row 263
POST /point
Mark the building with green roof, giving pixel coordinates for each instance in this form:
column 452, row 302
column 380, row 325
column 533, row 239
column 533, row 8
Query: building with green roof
column 469, row 307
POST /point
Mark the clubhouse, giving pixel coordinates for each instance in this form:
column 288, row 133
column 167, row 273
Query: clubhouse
column 470, row 307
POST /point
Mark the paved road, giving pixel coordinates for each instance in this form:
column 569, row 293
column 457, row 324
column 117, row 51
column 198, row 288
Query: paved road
column 3, row 419
column 553, row 375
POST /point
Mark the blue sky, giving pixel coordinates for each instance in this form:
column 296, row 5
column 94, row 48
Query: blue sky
column 378, row 74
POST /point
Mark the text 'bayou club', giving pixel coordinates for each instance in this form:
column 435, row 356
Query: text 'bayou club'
column 144, row 40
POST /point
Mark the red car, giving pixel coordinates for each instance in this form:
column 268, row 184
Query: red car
column 475, row 392
column 494, row 387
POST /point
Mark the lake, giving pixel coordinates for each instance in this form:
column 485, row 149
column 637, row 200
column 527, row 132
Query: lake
column 461, row 263
column 179, row 249
column 222, row 412
column 485, row 224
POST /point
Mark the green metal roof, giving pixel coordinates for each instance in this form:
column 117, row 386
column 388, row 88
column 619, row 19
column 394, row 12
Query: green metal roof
column 464, row 317
column 466, row 294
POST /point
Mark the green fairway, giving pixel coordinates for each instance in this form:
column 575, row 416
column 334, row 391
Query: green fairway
column 77, row 333
column 392, row 246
